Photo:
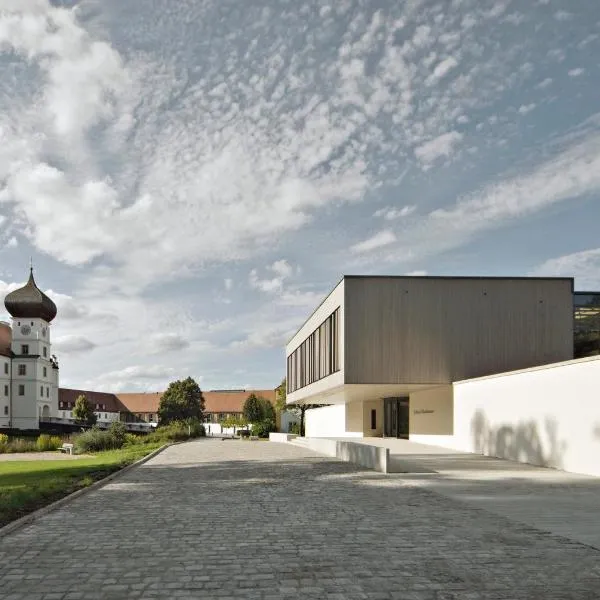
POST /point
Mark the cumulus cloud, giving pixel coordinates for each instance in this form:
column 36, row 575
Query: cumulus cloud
column 390, row 213
column 167, row 342
column 282, row 271
column 72, row 344
column 526, row 108
column 583, row 265
column 142, row 372
column 379, row 240
column 576, row 72
column 442, row 69
column 442, row 145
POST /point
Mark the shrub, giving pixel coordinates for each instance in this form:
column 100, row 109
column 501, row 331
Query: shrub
column 177, row 431
column 263, row 428
column 21, row 445
column 3, row 443
column 96, row 440
column 118, row 432
column 294, row 428
column 46, row 442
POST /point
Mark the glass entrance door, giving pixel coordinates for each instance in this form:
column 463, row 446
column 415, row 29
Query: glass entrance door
column 396, row 417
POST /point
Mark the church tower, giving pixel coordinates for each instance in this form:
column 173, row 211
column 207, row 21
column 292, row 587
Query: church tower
column 34, row 372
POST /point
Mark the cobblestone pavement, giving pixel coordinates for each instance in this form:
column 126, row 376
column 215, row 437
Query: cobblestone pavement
column 234, row 519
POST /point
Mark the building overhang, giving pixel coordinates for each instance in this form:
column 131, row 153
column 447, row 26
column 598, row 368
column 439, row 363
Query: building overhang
column 343, row 394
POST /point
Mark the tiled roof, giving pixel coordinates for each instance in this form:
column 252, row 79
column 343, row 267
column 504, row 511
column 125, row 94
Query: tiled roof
column 215, row 401
column 110, row 401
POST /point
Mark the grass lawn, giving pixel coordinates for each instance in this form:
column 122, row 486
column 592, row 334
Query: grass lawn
column 28, row 485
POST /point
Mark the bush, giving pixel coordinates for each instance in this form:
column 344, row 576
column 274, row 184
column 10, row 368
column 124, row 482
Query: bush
column 177, row 431
column 244, row 433
column 97, row 440
column 46, row 442
column 21, row 445
column 263, row 428
column 118, row 432
column 3, row 440
column 294, row 428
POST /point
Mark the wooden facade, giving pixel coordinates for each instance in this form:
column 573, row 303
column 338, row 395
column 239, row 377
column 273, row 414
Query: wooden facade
column 421, row 330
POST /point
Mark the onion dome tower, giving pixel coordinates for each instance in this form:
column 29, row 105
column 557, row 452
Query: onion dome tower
column 29, row 302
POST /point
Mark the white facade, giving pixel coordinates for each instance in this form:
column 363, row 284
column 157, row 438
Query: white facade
column 34, row 379
column 547, row 416
column 5, row 391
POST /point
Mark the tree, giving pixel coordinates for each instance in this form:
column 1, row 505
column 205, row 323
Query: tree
column 267, row 410
column 253, row 409
column 300, row 410
column 235, row 421
column 182, row 401
column 83, row 411
column 281, row 396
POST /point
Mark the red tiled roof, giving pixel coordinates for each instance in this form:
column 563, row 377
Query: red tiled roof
column 215, row 401
column 110, row 401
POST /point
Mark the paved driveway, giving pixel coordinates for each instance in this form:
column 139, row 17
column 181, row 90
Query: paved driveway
column 234, row 519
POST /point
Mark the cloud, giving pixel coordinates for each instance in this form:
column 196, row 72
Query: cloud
column 576, row 72
column 12, row 242
column 442, row 145
column 228, row 283
column 572, row 172
column 417, row 273
column 67, row 307
column 266, row 337
column 142, row 372
column 544, row 83
column 526, row 108
column 282, row 271
column 379, row 240
column 72, row 344
column 389, row 213
column 442, row 69
column 584, row 266
column 159, row 164
column 167, row 342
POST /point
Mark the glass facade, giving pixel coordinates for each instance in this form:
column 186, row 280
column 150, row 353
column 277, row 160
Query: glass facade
column 318, row 356
column 586, row 328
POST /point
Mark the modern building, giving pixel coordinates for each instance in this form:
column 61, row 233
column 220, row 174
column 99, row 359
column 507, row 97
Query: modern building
column 29, row 370
column 378, row 352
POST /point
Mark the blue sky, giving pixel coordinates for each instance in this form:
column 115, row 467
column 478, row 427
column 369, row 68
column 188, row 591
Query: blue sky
column 192, row 177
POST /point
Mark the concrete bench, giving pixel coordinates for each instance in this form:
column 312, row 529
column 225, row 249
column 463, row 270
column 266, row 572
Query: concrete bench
column 66, row 448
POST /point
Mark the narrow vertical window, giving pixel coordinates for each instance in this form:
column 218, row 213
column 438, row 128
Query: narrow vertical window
column 373, row 419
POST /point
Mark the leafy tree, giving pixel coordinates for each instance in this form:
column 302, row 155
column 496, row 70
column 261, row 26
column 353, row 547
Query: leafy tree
column 182, row 401
column 118, row 431
column 83, row 411
column 267, row 410
column 281, row 396
column 253, row 409
column 235, row 421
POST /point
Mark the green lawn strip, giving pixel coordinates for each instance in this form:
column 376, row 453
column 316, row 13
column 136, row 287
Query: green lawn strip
column 28, row 485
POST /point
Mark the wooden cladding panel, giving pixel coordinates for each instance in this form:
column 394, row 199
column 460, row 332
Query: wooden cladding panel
column 428, row 330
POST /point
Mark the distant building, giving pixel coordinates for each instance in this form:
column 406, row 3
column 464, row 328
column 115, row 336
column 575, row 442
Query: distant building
column 28, row 369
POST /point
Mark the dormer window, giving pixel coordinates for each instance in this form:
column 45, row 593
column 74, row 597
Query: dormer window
column 24, row 348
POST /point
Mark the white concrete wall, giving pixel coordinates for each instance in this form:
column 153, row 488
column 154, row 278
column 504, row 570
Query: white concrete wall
column 547, row 416
column 337, row 420
column 354, row 420
column 327, row 421
column 431, row 416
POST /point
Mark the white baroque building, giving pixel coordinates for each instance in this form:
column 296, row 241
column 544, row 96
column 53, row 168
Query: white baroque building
column 28, row 370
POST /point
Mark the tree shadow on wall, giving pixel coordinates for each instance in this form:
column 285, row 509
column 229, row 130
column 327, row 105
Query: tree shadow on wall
column 522, row 442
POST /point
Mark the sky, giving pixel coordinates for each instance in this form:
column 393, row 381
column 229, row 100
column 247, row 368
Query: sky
column 192, row 177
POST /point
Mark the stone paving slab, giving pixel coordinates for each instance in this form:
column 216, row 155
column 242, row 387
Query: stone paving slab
column 212, row 519
column 563, row 503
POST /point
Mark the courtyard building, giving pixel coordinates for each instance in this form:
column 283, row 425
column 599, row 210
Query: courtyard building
column 379, row 352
